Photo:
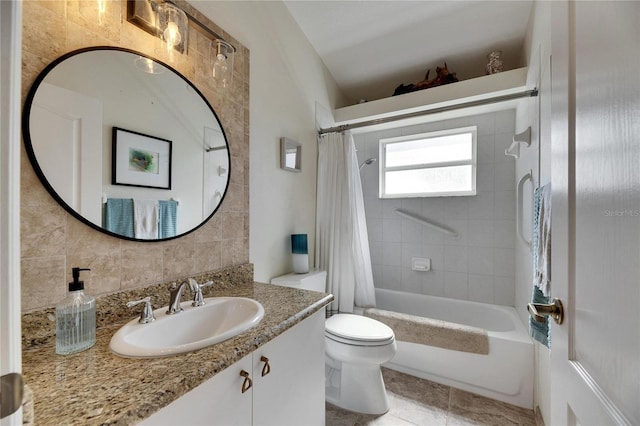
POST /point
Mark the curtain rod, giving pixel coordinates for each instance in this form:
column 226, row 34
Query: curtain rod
column 495, row 99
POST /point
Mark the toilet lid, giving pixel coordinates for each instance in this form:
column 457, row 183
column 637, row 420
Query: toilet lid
column 358, row 328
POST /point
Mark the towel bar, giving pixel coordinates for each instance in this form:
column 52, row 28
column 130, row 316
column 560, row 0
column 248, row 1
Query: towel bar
column 520, row 207
column 105, row 198
column 426, row 222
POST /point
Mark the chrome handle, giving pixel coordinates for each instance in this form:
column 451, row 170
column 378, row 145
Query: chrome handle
column 520, row 207
column 247, row 383
column 539, row 311
column 266, row 368
column 196, row 288
column 146, row 316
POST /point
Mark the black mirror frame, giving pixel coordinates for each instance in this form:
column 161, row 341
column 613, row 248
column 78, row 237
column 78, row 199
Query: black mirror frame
column 26, row 136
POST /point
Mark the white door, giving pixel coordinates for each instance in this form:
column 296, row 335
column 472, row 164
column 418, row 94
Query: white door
column 68, row 144
column 596, row 212
column 10, row 93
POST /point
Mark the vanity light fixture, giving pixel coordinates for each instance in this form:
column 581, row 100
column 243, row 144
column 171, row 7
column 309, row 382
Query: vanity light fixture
column 172, row 26
column 222, row 66
column 169, row 23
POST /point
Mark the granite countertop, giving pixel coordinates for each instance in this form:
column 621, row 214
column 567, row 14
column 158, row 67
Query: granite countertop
column 96, row 387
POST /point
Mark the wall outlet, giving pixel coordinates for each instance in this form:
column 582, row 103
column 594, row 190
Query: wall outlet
column 421, row 264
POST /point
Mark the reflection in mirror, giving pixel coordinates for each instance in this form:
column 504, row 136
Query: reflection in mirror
column 290, row 155
column 68, row 125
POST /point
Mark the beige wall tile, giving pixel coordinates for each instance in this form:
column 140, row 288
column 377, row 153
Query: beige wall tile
column 43, row 20
column 42, row 230
column 208, row 255
column 53, row 241
column 141, row 264
column 233, row 226
column 179, row 257
column 43, row 281
column 233, row 252
column 32, row 193
column 234, row 198
column 87, row 248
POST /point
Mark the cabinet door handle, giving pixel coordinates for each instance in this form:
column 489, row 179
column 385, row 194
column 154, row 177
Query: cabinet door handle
column 247, row 383
column 266, row 368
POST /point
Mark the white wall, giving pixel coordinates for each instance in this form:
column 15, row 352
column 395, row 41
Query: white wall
column 478, row 265
column 536, row 113
column 287, row 78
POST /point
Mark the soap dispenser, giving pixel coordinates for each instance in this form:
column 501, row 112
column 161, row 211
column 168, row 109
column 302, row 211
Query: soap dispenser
column 75, row 318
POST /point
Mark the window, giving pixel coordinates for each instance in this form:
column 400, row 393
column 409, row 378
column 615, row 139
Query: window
column 432, row 164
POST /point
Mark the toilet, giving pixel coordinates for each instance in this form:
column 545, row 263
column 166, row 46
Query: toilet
column 355, row 347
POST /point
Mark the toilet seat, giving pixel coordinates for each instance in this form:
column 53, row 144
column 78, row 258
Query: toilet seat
column 358, row 330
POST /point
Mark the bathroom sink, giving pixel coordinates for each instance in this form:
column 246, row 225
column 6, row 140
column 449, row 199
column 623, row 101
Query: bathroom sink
column 221, row 318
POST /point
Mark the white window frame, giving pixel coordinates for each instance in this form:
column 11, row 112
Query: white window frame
column 473, row 162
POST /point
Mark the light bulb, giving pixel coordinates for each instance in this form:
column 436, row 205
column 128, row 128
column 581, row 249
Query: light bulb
column 220, row 67
column 172, row 34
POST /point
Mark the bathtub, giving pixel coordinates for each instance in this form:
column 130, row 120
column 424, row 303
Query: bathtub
column 505, row 374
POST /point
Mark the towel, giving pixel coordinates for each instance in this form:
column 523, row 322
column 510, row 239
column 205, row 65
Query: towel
column 541, row 244
column 118, row 216
column 542, row 239
column 168, row 218
column 145, row 219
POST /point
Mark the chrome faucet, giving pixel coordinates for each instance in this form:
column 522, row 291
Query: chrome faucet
column 174, row 298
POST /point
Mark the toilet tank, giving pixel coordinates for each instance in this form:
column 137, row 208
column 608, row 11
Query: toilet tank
column 314, row 280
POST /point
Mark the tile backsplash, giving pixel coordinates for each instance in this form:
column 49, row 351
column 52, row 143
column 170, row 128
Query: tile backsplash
column 53, row 241
column 478, row 264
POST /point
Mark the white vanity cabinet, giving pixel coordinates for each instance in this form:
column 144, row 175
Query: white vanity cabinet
column 293, row 391
column 287, row 385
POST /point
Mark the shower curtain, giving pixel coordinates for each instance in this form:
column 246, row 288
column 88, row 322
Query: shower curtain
column 342, row 242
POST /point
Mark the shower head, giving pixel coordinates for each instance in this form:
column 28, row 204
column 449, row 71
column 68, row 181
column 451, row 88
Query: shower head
column 367, row 162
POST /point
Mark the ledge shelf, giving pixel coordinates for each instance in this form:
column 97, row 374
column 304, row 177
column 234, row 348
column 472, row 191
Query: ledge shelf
column 475, row 89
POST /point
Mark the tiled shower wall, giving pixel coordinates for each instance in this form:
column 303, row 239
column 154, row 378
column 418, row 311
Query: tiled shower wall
column 478, row 264
column 52, row 241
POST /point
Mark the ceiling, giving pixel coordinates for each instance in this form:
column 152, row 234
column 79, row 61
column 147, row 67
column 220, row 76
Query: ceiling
column 370, row 47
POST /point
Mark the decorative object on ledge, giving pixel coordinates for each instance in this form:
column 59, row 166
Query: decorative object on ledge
column 519, row 138
column 290, row 155
column 443, row 76
column 494, row 64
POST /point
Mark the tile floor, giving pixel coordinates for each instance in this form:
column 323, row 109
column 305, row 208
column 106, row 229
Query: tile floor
column 421, row 402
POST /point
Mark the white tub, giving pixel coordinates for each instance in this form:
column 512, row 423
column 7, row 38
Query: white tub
column 506, row 374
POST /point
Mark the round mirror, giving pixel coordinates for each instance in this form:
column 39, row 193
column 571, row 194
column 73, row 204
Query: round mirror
column 126, row 144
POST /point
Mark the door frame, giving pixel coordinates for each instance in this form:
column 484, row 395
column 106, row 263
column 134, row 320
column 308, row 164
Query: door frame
column 10, row 138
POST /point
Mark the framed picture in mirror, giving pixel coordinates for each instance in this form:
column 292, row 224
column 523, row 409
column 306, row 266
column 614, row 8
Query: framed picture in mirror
column 290, row 155
column 140, row 160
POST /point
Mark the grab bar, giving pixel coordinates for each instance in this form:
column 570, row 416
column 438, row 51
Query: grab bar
column 520, row 207
column 426, row 222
